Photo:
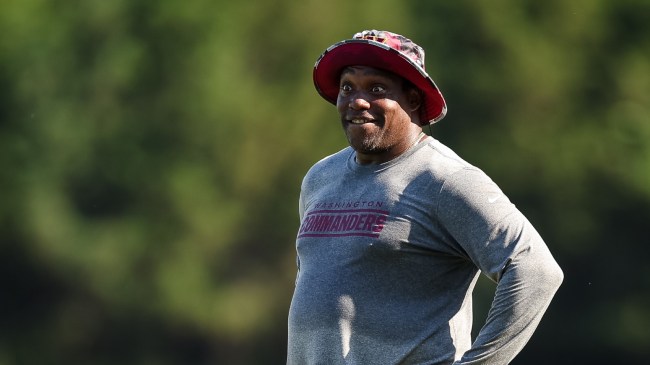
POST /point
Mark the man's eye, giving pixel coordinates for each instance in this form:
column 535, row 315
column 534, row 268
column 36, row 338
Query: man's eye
column 378, row 89
column 346, row 88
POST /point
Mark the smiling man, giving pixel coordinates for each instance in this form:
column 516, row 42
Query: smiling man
column 391, row 282
column 381, row 134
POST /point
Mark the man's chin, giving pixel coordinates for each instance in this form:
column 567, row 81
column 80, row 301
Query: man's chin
column 367, row 147
column 368, row 143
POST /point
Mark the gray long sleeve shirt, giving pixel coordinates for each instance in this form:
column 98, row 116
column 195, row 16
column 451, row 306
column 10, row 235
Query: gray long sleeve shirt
column 389, row 255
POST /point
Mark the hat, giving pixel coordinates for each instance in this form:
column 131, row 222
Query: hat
column 383, row 50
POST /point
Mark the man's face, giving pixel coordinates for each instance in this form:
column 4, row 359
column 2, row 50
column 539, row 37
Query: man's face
column 376, row 112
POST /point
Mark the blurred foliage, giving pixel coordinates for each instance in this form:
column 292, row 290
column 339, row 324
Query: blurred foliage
column 151, row 155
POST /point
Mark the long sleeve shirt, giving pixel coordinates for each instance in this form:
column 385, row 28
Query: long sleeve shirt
column 389, row 255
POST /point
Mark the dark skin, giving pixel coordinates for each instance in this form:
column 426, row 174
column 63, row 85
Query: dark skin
column 379, row 114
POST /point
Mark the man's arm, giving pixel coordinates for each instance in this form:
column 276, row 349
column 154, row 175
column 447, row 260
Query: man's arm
column 505, row 247
column 523, row 293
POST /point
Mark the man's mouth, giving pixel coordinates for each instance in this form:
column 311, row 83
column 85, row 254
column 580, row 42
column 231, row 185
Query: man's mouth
column 358, row 120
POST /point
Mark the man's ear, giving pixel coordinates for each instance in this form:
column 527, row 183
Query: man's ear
column 415, row 99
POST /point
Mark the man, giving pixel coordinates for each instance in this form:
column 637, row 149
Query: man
column 396, row 228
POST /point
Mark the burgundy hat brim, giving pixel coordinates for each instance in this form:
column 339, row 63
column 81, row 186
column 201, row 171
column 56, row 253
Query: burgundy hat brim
column 362, row 52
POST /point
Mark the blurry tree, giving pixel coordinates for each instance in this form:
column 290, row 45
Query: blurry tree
column 151, row 156
column 151, row 159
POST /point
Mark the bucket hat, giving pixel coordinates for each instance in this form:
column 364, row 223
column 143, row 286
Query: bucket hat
column 383, row 50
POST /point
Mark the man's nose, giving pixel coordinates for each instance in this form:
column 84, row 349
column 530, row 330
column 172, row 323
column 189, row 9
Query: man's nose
column 359, row 103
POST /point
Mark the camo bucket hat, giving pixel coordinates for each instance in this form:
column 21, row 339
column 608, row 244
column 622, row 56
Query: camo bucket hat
column 383, row 50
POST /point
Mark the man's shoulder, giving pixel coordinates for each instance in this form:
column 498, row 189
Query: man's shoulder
column 323, row 171
column 443, row 161
column 335, row 160
column 458, row 176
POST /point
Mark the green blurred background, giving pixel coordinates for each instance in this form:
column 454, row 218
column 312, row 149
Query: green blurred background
column 151, row 154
